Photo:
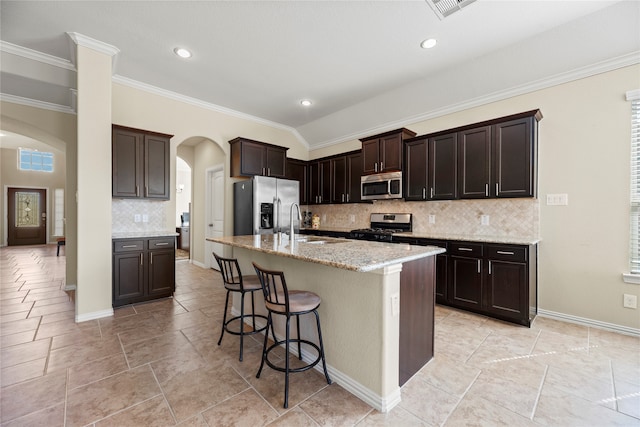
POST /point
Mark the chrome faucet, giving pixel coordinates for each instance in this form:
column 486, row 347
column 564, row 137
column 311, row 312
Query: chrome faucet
column 291, row 231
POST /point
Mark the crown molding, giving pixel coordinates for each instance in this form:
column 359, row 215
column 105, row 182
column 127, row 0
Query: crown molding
column 34, row 55
column 555, row 80
column 37, row 104
column 77, row 39
column 206, row 105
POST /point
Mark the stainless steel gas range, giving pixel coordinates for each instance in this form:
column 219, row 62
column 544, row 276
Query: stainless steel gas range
column 384, row 226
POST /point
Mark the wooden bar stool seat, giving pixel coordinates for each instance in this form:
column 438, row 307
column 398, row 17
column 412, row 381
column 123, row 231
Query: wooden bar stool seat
column 235, row 282
column 281, row 301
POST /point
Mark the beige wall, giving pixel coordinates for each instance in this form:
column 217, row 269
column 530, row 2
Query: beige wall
column 583, row 151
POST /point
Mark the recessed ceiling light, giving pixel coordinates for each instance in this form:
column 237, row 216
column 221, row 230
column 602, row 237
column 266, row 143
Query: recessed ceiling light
column 182, row 52
column 306, row 102
column 428, row 43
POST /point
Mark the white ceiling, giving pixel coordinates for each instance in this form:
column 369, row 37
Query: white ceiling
column 358, row 61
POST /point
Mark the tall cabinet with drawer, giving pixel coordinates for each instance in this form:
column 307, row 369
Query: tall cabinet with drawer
column 143, row 269
column 140, row 163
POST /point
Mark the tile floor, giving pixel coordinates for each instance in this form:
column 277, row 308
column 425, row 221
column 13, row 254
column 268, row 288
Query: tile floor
column 158, row 364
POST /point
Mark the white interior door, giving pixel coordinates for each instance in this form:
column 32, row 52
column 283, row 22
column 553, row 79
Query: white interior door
column 214, row 225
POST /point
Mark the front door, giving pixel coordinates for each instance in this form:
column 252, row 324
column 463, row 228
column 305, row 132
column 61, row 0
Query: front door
column 27, row 216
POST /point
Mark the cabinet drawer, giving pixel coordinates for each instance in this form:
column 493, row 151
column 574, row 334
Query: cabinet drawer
column 506, row 252
column 162, row 243
column 128, row 245
column 465, row 249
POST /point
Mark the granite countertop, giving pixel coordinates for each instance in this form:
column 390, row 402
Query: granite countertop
column 143, row 234
column 354, row 255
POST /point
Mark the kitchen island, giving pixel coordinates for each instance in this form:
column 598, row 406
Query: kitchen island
column 368, row 290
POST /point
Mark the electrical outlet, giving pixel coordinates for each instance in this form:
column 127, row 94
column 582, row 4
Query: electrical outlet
column 557, row 199
column 630, row 301
column 137, row 218
column 432, row 219
column 352, row 218
column 484, row 219
column 395, row 304
column 145, row 218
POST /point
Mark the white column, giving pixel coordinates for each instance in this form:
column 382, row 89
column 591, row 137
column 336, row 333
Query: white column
column 94, row 286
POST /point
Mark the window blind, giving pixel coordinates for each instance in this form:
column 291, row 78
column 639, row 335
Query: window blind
column 634, row 97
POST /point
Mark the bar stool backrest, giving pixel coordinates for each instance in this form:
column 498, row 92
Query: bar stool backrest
column 231, row 274
column 274, row 288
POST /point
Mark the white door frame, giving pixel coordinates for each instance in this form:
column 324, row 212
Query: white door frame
column 208, row 220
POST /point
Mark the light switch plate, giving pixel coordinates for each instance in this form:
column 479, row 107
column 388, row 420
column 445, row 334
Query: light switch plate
column 561, row 199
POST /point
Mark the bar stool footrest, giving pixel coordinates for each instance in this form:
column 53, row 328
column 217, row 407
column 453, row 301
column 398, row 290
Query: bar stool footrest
column 291, row 342
column 255, row 331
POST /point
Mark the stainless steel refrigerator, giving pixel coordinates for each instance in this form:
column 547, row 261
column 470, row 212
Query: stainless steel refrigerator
column 262, row 205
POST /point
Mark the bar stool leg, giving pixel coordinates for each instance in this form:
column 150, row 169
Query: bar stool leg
column 299, row 344
column 253, row 311
column 242, row 324
column 286, row 364
column 324, row 363
column 224, row 318
column 266, row 341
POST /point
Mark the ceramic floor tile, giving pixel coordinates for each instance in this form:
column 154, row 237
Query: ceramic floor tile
column 23, row 371
column 79, row 353
column 575, row 382
column 295, row 417
column 24, row 398
column 17, row 326
column 244, row 409
column 334, row 406
column 155, row 348
column 448, row 375
column 559, row 327
column 152, row 412
column 51, row 417
column 430, row 404
column 100, row 399
column 21, row 353
column 393, row 418
column 628, row 398
column 512, row 394
column 476, row 411
column 89, row 372
column 555, row 408
column 19, row 338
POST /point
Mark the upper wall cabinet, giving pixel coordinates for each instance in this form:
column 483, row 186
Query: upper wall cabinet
column 299, row 171
column 251, row 158
column 140, row 163
column 383, row 152
column 499, row 159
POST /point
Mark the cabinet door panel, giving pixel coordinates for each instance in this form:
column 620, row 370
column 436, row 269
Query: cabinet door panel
column 127, row 166
column 299, row 171
column 506, row 289
column 339, row 180
column 474, row 154
column 513, row 158
column 325, row 181
column 276, row 160
column 370, row 156
column 443, row 174
column 354, row 173
column 415, row 186
column 314, row 183
column 156, row 167
column 252, row 159
column 466, row 282
column 161, row 272
column 390, row 153
column 128, row 277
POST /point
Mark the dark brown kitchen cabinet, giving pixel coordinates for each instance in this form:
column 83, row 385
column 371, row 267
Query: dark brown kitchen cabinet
column 346, row 171
column 143, row 269
column 299, row 170
column 140, row 163
column 416, row 152
column 383, row 152
column 443, row 179
column 467, row 279
column 354, row 173
column 497, row 280
column 251, row 158
column 320, row 182
column 474, row 162
column 498, row 159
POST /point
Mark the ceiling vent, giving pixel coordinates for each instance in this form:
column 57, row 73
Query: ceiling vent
column 444, row 8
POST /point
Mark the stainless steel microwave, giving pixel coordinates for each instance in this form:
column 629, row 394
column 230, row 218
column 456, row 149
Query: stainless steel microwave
column 381, row 186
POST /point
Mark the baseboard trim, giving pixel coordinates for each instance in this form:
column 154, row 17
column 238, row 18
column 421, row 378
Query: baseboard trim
column 589, row 322
column 94, row 315
column 70, row 287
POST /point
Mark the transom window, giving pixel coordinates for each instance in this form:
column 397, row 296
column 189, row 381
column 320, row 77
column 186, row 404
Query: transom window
column 33, row 160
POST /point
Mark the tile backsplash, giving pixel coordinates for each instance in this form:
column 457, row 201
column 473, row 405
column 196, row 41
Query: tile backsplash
column 124, row 214
column 504, row 217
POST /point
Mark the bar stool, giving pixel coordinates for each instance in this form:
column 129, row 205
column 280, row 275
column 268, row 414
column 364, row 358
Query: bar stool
column 280, row 301
column 235, row 282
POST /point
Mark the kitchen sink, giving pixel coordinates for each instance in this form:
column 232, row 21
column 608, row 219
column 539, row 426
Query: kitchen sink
column 318, row 240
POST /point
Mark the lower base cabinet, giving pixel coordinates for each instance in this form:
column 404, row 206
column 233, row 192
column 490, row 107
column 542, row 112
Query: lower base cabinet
column 143, row 269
